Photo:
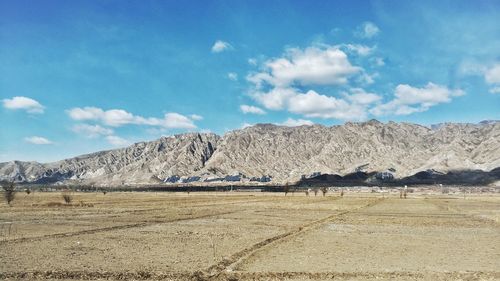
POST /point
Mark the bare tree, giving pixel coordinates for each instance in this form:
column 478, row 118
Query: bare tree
column 316, row 192
column 286, row 189
column 10, row 192
column 324, row 190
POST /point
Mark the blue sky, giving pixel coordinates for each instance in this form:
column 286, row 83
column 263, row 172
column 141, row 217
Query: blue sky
column 82, row 76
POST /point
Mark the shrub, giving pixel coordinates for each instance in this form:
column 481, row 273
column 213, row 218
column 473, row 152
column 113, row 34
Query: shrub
column 28, row 191
column 66, row 195
column 316, row 192
column 10, row 192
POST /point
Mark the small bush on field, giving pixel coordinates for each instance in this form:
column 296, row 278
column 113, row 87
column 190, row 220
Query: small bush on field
column 66, row 195
column 10, row 192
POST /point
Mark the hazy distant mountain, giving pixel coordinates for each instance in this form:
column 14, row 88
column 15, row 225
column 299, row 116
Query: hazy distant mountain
column 284, row 153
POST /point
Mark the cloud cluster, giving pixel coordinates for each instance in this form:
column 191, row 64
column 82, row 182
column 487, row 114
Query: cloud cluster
column 294, row 83
column 278, row 85
column 37, row 140
column 410, row 99
column 120, row 117
column 311, row 104
column 311, row 66
column 23, row 103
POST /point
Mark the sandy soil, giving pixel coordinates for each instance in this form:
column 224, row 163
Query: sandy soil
column 250, row 236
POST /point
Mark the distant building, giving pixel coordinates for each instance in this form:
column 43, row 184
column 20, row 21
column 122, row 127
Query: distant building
column 191, row 179
column 213, row 179
column 172, row 179
column 233, row 178
column 261, row 179
column 384, row 176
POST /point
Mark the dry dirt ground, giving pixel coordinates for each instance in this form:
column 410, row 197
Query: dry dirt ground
column 250, row 236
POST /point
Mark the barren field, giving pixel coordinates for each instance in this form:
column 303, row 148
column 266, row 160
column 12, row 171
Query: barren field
column 250, row 236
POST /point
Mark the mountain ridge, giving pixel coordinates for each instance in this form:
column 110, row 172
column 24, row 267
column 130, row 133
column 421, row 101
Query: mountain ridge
column 283, row 153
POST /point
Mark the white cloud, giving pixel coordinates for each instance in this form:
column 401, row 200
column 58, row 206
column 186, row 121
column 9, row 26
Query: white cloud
column 327, row 65
column 285, row 83
column 360, row 96
column 315, row 105
column 196, row 117
column 361, row 50
column 276, row 99
column 177, row 121
column 252, row 61
column 290, row 122
column 246, row 125
column 37, row 140
column 367, row 30
column 117, row 141
column 251, row 109
column 112, row 117
column 220, row 46
column 366, row 78
column 324, row 65
column 86, row 113
column 312, row 104
column 91, row 131
column 492, row 75
column 24, row 103
column 120, row 117
column 232, row 76
column 410, row 99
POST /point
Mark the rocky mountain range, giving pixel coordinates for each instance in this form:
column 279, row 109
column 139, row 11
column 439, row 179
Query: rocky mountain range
column 279, row 153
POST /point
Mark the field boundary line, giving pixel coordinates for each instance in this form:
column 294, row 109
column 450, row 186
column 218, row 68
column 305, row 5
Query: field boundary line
column 105, row 229
column 231, row 263
column 199, row 276
column 445, row 208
